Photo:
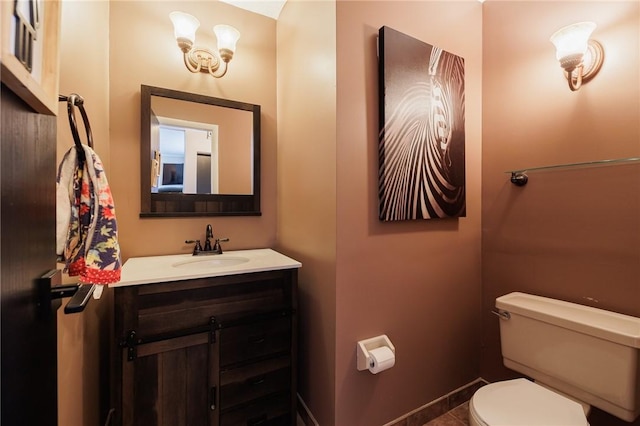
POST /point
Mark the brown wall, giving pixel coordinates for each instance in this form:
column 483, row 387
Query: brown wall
column 83, row 354
column 307, row 187
column 571, row 233
column 416, row 281
column 235, row 153
column 144, row 51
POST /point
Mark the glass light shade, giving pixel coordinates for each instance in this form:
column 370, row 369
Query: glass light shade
column 573, row 39
column 227, row 37
column 184, row 25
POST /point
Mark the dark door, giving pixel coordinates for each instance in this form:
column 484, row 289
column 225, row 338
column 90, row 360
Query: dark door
column 203, row 176
column 27, row 251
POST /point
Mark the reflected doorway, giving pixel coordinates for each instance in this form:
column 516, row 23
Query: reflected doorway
column 203, row 179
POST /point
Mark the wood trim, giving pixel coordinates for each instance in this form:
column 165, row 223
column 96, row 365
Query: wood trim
column 214, row 379
column 208, row 282
column 42, row 94
column 156, row 205
column 145, row 150
column 153, row 348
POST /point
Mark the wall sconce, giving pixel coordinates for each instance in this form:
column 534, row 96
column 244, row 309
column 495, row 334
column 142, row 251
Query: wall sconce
column 201, row 59
column 580, row 57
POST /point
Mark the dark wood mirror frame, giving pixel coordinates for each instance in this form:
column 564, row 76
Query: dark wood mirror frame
column 190, row 205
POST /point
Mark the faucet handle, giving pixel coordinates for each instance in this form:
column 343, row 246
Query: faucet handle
column 217, row 247
column 197, row 249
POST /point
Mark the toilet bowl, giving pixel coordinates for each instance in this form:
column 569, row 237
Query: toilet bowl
column 522, row 402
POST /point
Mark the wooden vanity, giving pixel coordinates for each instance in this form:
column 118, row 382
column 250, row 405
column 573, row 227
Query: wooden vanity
column 206, row 345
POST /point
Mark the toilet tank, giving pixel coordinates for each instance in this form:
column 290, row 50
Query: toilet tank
column 590, row 354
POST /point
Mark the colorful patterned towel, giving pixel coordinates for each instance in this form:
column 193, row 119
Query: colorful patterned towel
column 87, row 231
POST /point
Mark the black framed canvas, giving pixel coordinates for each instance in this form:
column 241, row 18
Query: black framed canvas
column 421, row 142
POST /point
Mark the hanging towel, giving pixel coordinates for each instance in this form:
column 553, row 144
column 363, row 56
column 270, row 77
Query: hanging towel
column 63, row 201
column 87, row 233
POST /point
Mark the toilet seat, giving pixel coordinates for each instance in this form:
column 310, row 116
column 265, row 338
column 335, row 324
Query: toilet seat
column 522, row 402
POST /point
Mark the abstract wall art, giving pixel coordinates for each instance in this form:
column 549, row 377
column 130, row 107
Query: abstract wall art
column 421, row 143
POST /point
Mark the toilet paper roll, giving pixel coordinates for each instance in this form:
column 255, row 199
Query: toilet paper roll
column 381, row 359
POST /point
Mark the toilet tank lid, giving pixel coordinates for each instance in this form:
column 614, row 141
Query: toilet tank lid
column 612, row 326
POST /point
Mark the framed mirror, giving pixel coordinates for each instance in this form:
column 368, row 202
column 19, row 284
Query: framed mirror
column 200, row 155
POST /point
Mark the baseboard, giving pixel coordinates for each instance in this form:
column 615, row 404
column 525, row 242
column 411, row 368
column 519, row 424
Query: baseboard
column 305, row 414
column 438, row 407
column 420, row 415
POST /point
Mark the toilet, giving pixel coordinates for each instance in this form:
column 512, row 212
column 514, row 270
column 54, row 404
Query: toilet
column 576, row 357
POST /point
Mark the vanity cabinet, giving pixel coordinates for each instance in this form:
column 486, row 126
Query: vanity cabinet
column 215, row 351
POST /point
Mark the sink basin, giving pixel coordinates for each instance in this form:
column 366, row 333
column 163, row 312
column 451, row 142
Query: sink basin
column 178, row 267
column 210, row 262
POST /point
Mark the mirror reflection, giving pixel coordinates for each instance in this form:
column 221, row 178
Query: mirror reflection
column 199, row 148
column 200, row 155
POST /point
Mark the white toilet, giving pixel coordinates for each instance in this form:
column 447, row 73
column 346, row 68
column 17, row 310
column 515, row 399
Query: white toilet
column 578, row 356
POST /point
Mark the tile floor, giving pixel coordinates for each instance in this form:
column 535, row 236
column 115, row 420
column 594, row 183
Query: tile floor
column 458, row 416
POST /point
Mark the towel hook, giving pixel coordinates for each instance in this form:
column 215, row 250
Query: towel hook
column 74, row 100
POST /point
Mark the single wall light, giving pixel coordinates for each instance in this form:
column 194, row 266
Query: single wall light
column 580, row 57
column 200, row 59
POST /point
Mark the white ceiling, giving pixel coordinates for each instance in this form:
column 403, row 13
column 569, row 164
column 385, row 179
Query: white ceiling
column 270, row 8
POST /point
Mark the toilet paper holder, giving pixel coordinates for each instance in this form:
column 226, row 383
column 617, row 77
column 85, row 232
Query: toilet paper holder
column 364, row 346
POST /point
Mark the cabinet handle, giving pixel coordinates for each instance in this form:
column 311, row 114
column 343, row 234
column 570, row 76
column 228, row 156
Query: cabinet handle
column 212, row 398
column 256, row 340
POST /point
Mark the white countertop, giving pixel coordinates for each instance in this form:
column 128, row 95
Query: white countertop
column 156, row 269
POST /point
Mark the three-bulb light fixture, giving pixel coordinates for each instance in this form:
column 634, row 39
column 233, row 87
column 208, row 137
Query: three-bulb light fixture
column 579, row 56
column 201, row 59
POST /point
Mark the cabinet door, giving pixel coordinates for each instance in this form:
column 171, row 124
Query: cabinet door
column 170, row 382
